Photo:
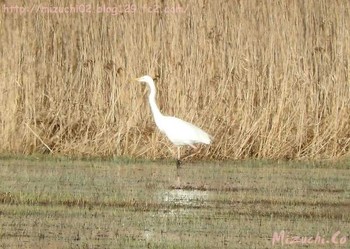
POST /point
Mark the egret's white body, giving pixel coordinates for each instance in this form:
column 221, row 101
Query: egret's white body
column 178, row 131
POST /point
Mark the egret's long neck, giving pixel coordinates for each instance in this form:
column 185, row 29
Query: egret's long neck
column 152, row 102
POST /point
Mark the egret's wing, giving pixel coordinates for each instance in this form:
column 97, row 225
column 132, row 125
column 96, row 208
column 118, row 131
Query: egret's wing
column 181, row 132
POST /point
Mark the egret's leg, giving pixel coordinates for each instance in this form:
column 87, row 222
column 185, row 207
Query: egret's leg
column 178, row 161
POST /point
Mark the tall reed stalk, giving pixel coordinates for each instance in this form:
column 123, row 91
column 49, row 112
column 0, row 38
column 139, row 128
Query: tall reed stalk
column 267, row 79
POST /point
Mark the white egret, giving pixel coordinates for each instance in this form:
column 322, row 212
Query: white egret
column 178, row 131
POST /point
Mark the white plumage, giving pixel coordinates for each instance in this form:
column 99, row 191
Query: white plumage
column 178, row 131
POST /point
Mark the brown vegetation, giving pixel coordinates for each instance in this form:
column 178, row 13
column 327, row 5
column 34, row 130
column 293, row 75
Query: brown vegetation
column 267, row 79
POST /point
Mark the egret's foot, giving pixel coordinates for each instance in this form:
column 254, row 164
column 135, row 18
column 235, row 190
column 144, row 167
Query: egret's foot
column 178, row 163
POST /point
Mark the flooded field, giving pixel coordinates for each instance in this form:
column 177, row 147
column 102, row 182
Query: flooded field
column 52, row 203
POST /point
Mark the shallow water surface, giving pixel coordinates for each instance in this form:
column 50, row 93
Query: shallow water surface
column 89, row 204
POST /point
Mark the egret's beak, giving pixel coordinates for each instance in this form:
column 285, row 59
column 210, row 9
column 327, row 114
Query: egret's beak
column 138, row 79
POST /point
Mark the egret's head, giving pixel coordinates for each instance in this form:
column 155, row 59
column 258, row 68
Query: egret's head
column 145, row 79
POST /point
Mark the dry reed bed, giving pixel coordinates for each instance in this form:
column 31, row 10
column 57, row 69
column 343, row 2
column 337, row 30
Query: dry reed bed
column 268, row 79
